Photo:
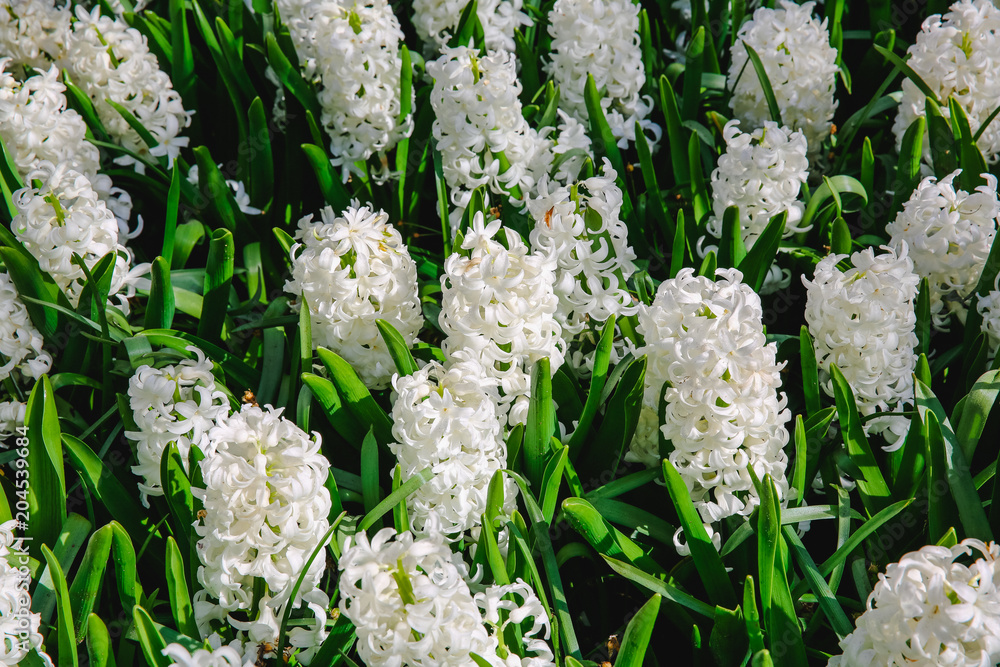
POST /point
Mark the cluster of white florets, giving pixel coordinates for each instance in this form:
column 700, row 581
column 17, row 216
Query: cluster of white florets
column 266, row 511
column 862, row 321
column 579, row 228
column 931, row 609
column 37, row 127
column 478, row 116
column 66, row 217
column 34, row 32
column 21, row 344
column 410, row 603
column 445, row 421
column 705, row 344
column 800, row 63
column 353, row 51
column 498, row 304
column 351, row 272
column 176, row 404
column 955, row 56
column 436, row 21
column 988, row 307
column 949, row 233
column 761, row 172
column 19, row 627
column 600, row 38
column 109, row 60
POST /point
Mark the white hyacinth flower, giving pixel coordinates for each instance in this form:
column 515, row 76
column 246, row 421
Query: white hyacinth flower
column 353, row 50
column 579, row 228
column 761, row 172
column 19, row 627
column 445, row 421
column 517, row 603
column 724, row 415
column 572, row 142
column 954, row 55
column 863, row 322
column 266, row 507
column 601, row 38
column 224, row 656
column 21, row 344
column 931, row 609
column 66, row 216
column 949, row 233
column 176, row 404
column 352, row 271
column 436, row 21
column 410, row 604
column 478, row 115
column 800, row 63
column 989, row 308
column 109, row 60
column 266, row 511
column 33, row 33
column 498, row 305
column 37, row 127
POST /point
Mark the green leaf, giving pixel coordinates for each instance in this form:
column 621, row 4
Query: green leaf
column 654, row 199
column 602, row 357
column 87, row 582
column 603, row 537
column 760, row 257
column 46, row 495
column 701, row 201
column 160, row 306
column 941, row 506
column 833, row 188
column 394, row 498
column 370, row 490
column 212, row 185
column 765, row 84
column 976, row 411
column 182, row 63
column 398, row 349
column 149, row 639
column 827, row 600
column 693, row 67
column 356, row 395
column 908, row 167
column 768, row 525
column 103, row 485
column 31, row 282
column 810, row 371
column 541, row 422
column 218, row 279
column 177, row 491
column 99, row 650
column 260, row 158
column 840, row 242
column 656, row 585
column 334, row 192
column 728, row 642
column 941, row 139
column 872, row 487
column 341, row 418
column 71, row 538
column 64, row 612
column 970, row 507
column 177, row 588
column 551, row 479
column 637, row 634
column 703, row 552
column 676, row 135
column 620, row 419
column 970, row 159
column 604, row 140
column 907, row 71
column 470, row 30
column 731, row 248
column 752, row 616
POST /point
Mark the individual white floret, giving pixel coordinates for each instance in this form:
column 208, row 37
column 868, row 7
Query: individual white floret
column 445, row 421
column 353, row 271
column 955, row 56
column 706, row 350
column 176, row 404
column 931, row 609
column 761, row 173
column 498, row 304
column 863, row 322
column 353, row 50
column 949, row 233
column 800, row 63
column 224, row 656
column 108, row 60
column 436, row 21
column 600, row 38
